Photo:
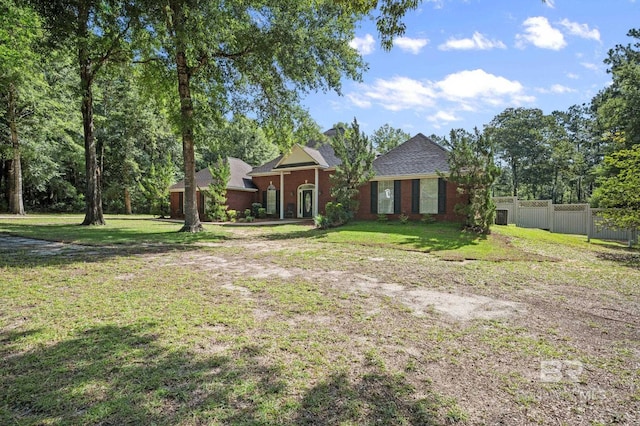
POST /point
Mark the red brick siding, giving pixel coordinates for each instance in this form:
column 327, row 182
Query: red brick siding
column 236, row 200
column 452, row 198
column 292, row 182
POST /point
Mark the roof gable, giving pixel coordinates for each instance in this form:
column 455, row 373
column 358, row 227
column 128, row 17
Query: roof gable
column 417, row 156
column 301, row 156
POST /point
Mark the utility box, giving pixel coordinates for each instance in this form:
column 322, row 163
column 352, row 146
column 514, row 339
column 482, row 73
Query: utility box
column 502, row 217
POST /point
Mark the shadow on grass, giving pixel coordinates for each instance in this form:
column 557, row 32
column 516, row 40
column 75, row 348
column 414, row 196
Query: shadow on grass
column 25, row 252
column 376, row 398
column 628, row 257
column 154, row 232
column 125, row 375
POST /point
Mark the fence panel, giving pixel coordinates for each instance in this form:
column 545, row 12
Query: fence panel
column 596, row 230
column 570, row 218
column 510, row 205
column 534, row 214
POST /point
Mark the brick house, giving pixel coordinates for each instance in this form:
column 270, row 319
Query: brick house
column 241, row 191
column 297, row 185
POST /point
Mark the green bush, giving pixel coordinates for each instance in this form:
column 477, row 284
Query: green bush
column 233, row 215
column 247, row 212
column 249, row 218
column 383, row 217
column 404, row 219
column 262, row 213
column 336, row 214
column 427, row 219
column 254, row 209
column 321, row 222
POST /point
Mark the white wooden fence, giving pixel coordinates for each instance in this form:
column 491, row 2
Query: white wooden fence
column 560, row 218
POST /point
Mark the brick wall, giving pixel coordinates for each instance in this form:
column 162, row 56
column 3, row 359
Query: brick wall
column 452, row 198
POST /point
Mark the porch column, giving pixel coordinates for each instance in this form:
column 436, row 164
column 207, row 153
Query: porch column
column 281, row 195
column 315, row 195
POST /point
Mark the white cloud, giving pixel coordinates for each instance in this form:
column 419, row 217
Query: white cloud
column 573, row 76
column 480, row 86
column 590, row 66
column 580, row 30
column 442, row 118
column 465, row 91
column 413, row 45
column 365, row 45
column 477, row 42
column 557, row 89
column 539, row 32
column 551, row 4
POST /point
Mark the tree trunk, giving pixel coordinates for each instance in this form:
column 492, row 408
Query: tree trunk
column 16, row 205
column 127, row 201
column 191, row 217
column 93, row 195
column 514, row 177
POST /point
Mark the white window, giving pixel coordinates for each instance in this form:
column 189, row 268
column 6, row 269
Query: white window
column 271, row 199
column 385, row 197
column 429, row 196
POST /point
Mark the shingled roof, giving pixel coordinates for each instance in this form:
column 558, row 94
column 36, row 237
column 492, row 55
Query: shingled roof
column 417, row 156
column 239, row 179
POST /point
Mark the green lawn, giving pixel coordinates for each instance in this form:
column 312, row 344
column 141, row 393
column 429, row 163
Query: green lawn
column 291, row 325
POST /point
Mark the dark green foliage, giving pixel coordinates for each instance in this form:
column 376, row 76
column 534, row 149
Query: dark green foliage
column 619, row 188
column 154, row 186
column 356, row 154
column 472, row 168
column 386, row 138
column 216, row 193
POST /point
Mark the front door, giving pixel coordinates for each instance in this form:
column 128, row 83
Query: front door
column 307, row 203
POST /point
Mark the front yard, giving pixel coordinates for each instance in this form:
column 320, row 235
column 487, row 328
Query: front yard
column 374, row 323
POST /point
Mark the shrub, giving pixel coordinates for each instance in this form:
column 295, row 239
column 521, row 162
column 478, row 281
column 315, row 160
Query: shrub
column 404, row 219
column 427, row 219
column 254, row 209
column 249, row 218
column 321, row 222
column 337, row 214
column 233, row 215
column 262, row 212
column 247, row 212
column 383, row 217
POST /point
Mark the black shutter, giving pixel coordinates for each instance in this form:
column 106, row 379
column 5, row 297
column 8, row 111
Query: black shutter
column 374, row 197
column 264, row 199
column 278, row 202
column 442, row 196
column 397, row 197
column 415, row 196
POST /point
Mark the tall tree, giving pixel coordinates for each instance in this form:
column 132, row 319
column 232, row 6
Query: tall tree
column 356, row 154
column 517, row 132
column 619, row 188
column 386, row 138
column 472, row 167
column 241, row 138
column 99, row 31
column 20, row 77
column 255, row 55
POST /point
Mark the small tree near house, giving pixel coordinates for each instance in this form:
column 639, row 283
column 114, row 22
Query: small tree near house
column 155, row 187
column 472, row 168
column 356, row 153
column 216, row 193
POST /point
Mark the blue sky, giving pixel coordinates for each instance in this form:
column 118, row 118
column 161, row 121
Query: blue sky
column 462, row 62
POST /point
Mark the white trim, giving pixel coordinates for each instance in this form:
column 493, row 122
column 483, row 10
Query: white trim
column 407, row 177
column 281, row 195
column 315, row 195
column 231, row 188
column 273, row 173
column 300, row 201
column 297, row 149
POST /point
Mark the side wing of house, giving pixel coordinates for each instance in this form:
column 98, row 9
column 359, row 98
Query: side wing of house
column 408, row 181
